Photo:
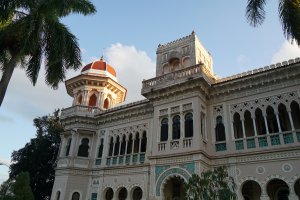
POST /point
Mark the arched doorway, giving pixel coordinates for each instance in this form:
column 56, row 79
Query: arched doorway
column 174, row 189
column 278, row 190
column 251, row 190
column 109, row 194
column 137, row 193
column 123, row 194
column 297, row 188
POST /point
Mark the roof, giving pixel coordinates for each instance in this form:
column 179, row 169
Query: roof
column 100, row 65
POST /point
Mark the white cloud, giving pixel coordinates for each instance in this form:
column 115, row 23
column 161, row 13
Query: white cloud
column 132, row 66
column 287, row 51
column 4, row 161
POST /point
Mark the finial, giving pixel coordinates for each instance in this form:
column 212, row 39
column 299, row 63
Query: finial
column 102, row 56
column 193, row 32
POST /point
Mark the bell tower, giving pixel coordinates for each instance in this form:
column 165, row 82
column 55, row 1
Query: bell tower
column 96, row 86
column 182, row 53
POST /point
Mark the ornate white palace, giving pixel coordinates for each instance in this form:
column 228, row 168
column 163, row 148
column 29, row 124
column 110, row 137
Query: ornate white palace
column 190, row 121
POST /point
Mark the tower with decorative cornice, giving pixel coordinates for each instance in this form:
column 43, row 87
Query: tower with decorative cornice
column 96, row 86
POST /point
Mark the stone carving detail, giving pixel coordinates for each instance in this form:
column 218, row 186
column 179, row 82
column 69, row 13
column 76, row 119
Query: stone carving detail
column 286, row 167
column 218, row 110
column 140, row 128
column 190, row 167
column 175, row 109
column 187, row 107
column 260, row 170
column 163, row 112
column 285, row 98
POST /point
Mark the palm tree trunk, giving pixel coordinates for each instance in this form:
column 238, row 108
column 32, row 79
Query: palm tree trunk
column 7, row 74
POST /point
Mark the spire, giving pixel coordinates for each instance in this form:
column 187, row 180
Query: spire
column 102, row 56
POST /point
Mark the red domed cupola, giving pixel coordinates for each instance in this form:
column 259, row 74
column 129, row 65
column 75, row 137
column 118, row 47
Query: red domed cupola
column 99, row 67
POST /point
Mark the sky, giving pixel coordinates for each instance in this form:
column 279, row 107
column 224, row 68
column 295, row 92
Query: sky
column 127, row 33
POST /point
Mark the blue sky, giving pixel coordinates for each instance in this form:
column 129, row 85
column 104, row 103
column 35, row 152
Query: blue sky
column 129, row 32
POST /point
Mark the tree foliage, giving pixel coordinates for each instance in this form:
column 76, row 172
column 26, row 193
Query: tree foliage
column 211, row 185
column 38, row 157
column 35, row 34
column 289, row 14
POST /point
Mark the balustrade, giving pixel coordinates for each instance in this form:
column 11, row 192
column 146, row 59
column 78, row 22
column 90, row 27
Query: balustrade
column 80, row 110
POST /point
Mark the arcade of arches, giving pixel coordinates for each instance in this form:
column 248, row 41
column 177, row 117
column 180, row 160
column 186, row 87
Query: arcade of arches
column 135, row 193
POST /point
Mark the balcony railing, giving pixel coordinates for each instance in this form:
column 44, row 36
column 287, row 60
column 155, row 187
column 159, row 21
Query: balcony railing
column 175, row 144
column 193, row 71
column 271, row 140
column 126, row 159
column 79, row 111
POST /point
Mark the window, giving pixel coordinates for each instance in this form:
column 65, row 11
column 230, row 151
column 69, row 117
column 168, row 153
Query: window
column 295, row 114
column 123, row 145
column 129, row 145
column 136, row 143
column 237, row 126
column 106, row 103
column 272, row 121
column 117, row 146
column 144, row 142
column 75, row 196
column 176, row 127
column 68, row 146
column 284, row 119
column 249, row 128
column 111, row 146
column 188, row 125
column 83, row 150
column 57, row 195
column 202, row 124
column 93, row 100
column 220, row 129
column 100, row 150
column 260, row 122
column 164, row 129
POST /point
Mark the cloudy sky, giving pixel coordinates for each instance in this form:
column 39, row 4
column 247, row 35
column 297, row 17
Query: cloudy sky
column 128, row 33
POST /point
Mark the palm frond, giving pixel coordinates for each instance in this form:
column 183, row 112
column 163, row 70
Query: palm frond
column 289, row 13
column 255, row 12
column 66, row 7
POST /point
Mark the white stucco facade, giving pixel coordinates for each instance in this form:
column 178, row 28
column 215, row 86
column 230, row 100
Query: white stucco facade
column 190, row 121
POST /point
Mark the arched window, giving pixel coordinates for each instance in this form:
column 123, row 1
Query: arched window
column 284, row 119
column 144, row 142
column 123, row 145
column 79, row 99
column 202, row 123
column 272, row 121
column 295, row 114
column 137, row 194
column 164, row 129
column 175, row 64
column 93, row 100
column 186, row 62
column 123, row 194
column 260, row 122
column 176, row 127
column 220, row 129
column 111, row 146
column 237, row 126
column 75, row 196
column 188, row 125
column 249, row 128
column 166, row 69
column 129, row 145
column 109, row 194
column 68, row 146
column 106, row 103
column 100, row 150
column 136, row 147
column 57, row 195
column 117, row 146
column 83, row 150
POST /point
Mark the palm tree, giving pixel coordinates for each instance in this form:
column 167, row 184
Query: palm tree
column 31, row 33
column 289, row 14
column 211, row 185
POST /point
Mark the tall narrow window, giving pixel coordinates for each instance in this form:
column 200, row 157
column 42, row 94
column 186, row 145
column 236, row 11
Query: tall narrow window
column 284, row 119
column 106, row 103
column 123, row 145
column 100, row 150
column 129, row 145
column 144, row 142
column 202, row 124
column 272, row 121
column 249, row 128
column 188, row 125
column 164, row 129
column 136, row 143
column 220, row 129
column 93, row 100
column 83, row 150
column 176, row 127
column 117, row 146
column 295, row 114
column 58, row 195
column 68, row 146
column 237, row 126
column 79, row 99
column 75, row 196
column 111, row 147
column 260, row 122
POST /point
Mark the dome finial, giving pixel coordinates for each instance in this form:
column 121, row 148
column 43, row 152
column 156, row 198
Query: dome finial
column 102, row 56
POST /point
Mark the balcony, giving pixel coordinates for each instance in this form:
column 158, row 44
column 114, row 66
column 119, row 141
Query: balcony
column 175, row 144
column 79, row 111
column 126, row 159
column 175, row 77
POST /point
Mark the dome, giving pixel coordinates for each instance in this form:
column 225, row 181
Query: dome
column 98, row 67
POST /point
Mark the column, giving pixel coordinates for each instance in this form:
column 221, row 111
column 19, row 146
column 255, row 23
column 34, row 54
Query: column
column 278, row 122
column 75, row 99
column 140, row 143
column 291, row 120
column 62, row 146
column 266, row 124
column 170, row 128
column 232, row 132
column 114, row 145
column 133, row 139
column 182, row 131
column 85, row 98
column 243, row 128
column 254, row 126
column 126, row 145
column 98, row 104
column 75, row 136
